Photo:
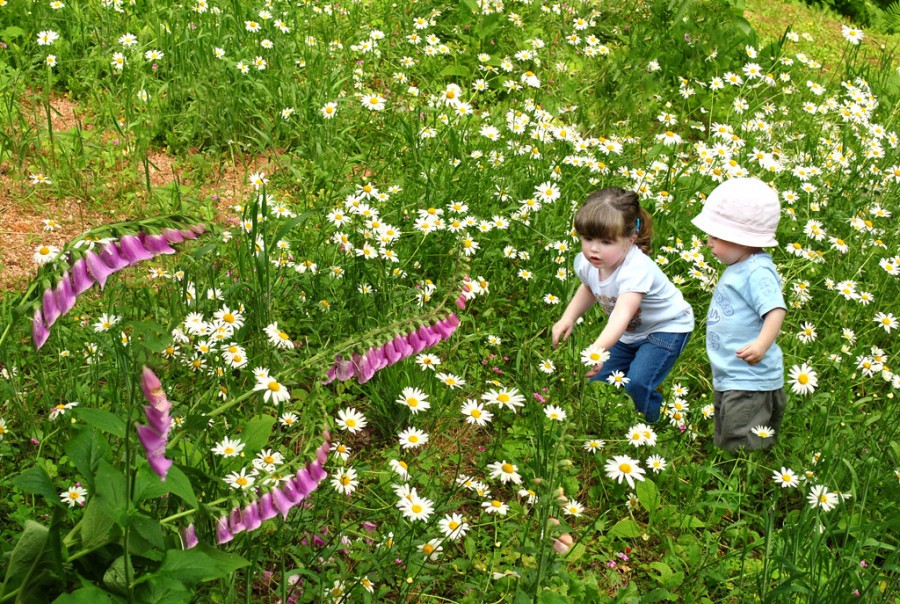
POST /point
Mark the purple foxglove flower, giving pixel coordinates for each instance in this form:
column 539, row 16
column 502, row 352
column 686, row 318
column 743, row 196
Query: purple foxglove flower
column 461, row 302
column 99, row 271
column 391, row 352
column 112, row 256
column 81, row 281
column 281, row 502
column 154, row 443
column 316, row 471
column 153, row 436
column 156, row 244
column 430, row 335
column 332, row 374
column 415, row 342
column 401, row 343
column 303, row 482
column 367, row 368
column 39, row 332
column 250, row 516
column 322, row 452
column 446, row 327
column 291, row 493
column 267, row 509
column 187, row 234
column 160, row 465
column 64, row 294
column 189, row 536
column 198, row 229
column 236, row 521
column 381, row 360
column 152, row 387
column 133, row 250
column 345, row 369
column 172, row 235
column 51, row 313
column 223, row 534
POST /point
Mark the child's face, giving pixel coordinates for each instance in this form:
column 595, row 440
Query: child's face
column 606, row 254
column 726, row 252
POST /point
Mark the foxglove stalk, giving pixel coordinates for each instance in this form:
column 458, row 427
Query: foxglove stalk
column 153, row 436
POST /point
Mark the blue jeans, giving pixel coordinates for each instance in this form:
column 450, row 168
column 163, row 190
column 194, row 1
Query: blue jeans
column 646, row 364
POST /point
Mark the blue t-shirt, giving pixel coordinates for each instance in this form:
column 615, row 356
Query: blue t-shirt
column 746, row 291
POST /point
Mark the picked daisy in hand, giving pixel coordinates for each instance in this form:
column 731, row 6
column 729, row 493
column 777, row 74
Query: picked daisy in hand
column 594, row 355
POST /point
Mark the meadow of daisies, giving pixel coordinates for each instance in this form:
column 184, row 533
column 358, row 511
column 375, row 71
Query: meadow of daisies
column 343, row 389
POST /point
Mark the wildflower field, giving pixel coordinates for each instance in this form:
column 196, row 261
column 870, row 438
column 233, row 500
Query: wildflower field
column 340, row 385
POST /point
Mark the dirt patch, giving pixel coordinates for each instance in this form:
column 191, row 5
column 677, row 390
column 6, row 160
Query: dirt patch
column 65, row 114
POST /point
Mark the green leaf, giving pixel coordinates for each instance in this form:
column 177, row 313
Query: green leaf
column 96, row 525
column 36, row 481
column 147, row 484
column 179, row 484
column 289, row 225
column 202, row 563
column 86, row 449
column 163, row 590
column 257, row 432
column 35, row 563
column 12, row 32
column 552, row 597
column 89, row 594
column 150, row 531
column 29, row 549
column 648, row 495
column 102, row 420
column 487, row 26
column 110, row 490
column 625, row 529
column 456, row 70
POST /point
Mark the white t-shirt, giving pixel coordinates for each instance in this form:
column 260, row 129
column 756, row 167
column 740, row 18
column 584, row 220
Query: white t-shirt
column 663, row 308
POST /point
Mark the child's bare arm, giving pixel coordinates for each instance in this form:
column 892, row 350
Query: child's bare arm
column 626, row 306
column 580, row 303
column 754, row 352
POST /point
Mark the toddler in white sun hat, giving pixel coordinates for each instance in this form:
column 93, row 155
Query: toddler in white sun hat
column 745, row 315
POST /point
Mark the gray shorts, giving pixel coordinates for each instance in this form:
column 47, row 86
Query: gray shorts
column 737, row 412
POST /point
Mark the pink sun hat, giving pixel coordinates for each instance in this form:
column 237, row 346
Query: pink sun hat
column 745, row 211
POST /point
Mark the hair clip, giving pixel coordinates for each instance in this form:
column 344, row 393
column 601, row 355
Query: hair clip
column 637, row 227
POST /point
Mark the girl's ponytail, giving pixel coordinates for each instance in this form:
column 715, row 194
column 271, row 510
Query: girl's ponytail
column 644, row 229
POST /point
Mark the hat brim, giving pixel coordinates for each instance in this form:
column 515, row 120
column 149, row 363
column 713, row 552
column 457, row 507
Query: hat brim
column 732, row 234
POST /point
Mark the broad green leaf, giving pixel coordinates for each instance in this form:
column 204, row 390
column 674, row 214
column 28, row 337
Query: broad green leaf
column 147, row 484
column 89, row 594
column 257, row 432
column 179, row 484
column 456, row 70
column 35, row 480
column 202, row 563
column 150, row 531
column 163, row 590
column 625, row 529
column 29, row 548
column 86, row 449
column 102, row 420
column 110, row 490
column 648, row 495
column 96, row 524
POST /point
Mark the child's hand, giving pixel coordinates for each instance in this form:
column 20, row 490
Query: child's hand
column 752, row 353
column 593, row 371
column 562, row 328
